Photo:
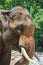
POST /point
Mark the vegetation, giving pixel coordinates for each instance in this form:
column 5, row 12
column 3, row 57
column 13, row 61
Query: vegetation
column 36, row 9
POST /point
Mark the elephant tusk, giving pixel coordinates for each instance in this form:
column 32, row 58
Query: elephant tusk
column 23, row 51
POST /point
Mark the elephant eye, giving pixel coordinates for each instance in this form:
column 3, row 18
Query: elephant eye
column 20, row 27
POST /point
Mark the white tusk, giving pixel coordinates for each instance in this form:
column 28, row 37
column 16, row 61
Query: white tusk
column 25, row 55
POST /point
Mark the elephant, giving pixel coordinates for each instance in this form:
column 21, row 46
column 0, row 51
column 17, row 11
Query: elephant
column 19, row 34
column 21, row 23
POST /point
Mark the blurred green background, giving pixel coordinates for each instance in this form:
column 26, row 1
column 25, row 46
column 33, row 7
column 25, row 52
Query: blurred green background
column 36, row 9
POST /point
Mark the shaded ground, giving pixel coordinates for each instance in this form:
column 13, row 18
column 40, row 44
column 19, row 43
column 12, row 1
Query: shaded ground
column 39, row 49
column 40, row 55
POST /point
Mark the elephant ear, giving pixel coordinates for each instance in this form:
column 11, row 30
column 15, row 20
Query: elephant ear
column 4, row 18
column 6, row 14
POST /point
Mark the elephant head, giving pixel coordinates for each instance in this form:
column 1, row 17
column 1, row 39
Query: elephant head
column 20, row 22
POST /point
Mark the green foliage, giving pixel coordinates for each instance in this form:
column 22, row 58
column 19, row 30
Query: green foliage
column 38, row 21
column 36, row 9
